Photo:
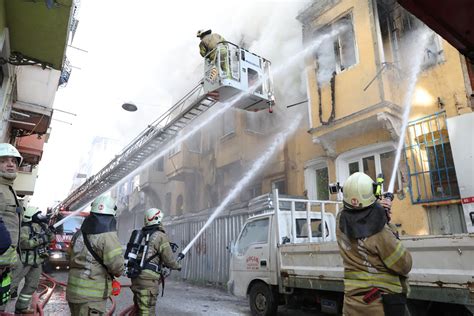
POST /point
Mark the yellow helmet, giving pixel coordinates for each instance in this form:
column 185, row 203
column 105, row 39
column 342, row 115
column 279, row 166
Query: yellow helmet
column 153, row 216
column 29, row 213
column 104, row 205
column 358, row 191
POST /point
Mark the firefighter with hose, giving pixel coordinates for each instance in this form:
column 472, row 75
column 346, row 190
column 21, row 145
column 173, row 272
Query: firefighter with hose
column 96, row 259
column 376, row 264
column 149, row 253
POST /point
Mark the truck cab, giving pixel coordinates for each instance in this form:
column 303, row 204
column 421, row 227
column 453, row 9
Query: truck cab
column 236, row 71
column 254, row 260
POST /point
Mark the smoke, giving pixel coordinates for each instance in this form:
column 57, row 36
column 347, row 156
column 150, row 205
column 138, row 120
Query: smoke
column 146, row 54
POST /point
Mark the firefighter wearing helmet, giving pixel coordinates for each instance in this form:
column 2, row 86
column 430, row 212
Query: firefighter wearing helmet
column 96, row 259
column 376, row 263
column 156, row 254
column 35, row 237
column 209, row 46
column 10, row 213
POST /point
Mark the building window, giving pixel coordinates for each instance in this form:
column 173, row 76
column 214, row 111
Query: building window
column 179, row 205
column 339, row 52
column 194, row 143
column 429, row 160
column 322, row 184
column 168, row 202
column 373, row 160
column 316, row 176
column 251, row 192
column 254, row 122
column 174, row 150
column 159, row 164
column 395, row 24
column 228, row 123
column 279, row 184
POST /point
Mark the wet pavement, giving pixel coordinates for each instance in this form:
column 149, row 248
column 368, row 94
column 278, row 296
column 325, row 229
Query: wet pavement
column 180, row 298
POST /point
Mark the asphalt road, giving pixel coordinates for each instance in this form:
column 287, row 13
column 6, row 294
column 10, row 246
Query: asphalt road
column 180, row 298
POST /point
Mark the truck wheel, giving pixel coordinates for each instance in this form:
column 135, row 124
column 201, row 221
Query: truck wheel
column 262, row 301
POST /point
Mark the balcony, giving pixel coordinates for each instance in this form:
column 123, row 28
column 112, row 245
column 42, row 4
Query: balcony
column 31, row 148
column 383, row 117
column 181, row 164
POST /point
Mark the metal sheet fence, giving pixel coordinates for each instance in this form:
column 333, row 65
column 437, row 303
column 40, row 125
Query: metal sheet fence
column 208, row 259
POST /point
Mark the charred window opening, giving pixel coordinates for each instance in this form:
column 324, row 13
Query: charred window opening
column 395, row 24
column 279, row 184
column 337, row 52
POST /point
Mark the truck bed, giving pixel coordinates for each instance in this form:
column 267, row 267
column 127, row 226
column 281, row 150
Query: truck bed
column 443, row 267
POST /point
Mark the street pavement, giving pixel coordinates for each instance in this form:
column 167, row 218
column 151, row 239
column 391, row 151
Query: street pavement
column 180, row 298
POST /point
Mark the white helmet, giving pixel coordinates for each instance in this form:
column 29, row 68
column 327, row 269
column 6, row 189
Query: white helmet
column 29, row 213
column 358, row 191
column 201, row 33
column 8, row 150
column 153, row 216
column 104, row 204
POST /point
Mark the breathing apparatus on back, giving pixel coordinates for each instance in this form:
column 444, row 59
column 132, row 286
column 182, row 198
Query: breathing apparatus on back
column 137, row 247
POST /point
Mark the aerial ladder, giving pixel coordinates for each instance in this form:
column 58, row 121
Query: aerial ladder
column 234, row 71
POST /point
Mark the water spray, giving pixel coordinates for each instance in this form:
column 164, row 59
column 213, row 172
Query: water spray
column 415, row 68
column 251, row 173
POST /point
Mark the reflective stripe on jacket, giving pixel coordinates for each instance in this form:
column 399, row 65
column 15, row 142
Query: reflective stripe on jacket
column 88, row 279
column 9, row 257
column 379, row 261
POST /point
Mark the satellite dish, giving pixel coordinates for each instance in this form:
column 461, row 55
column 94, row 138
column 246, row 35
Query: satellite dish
column 129, row 106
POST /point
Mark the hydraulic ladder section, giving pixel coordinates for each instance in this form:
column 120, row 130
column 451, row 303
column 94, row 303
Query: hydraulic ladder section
column 149, row 141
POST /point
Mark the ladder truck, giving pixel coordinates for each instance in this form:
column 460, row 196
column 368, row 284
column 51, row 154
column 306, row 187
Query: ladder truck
column 236, row 75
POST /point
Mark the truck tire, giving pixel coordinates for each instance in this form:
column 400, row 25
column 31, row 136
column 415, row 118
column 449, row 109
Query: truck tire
column 262, row 301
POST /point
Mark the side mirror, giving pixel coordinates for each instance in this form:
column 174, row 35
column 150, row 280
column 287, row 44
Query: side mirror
column 231, row 246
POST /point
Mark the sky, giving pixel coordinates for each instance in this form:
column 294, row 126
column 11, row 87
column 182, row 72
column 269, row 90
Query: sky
column 147, row 52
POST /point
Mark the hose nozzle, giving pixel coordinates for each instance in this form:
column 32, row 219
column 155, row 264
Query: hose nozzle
column 180, row 257
column 389, row 195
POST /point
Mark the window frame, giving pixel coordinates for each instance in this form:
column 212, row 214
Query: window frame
column 358, row 154
column 337, row 41
column 311, row 184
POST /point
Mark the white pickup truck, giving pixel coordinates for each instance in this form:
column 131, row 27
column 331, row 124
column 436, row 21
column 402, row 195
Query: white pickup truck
column 285, row 256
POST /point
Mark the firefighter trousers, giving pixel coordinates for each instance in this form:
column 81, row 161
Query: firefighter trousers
column 88, row 308
column 32, row 275
column 145, row 295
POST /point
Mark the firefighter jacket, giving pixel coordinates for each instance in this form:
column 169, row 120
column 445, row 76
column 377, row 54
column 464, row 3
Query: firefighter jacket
column 5, row 239
column 34, row 241
column 88, row 280
column 208, row 44
column 10, row 214
column 160, row 245
column 377, row 261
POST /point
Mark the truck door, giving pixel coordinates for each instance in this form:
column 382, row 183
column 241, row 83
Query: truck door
column 250, row 259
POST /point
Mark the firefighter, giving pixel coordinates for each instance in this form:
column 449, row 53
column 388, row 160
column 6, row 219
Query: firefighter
column 96, row 258
column 208, row 48
column 35, row 237
column 376, row 263
column 10, row 212
column 158, row 255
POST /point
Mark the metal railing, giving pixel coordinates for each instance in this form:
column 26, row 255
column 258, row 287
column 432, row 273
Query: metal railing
column 429, row 160
column 308, row 210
